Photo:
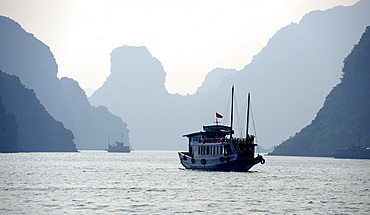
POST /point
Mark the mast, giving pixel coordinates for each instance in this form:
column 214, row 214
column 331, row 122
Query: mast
column 249, row 101
column 232, row 114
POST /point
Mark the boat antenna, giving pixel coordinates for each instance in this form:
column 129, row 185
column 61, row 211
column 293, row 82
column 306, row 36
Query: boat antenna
column 232, row 113
column 249, row 101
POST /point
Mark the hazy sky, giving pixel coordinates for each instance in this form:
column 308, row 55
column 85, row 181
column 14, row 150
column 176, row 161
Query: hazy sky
column 189, row 37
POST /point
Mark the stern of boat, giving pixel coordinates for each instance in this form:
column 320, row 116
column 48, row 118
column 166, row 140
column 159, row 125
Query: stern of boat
column 259, row 159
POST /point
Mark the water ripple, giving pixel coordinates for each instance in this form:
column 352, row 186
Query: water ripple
column 153, row 182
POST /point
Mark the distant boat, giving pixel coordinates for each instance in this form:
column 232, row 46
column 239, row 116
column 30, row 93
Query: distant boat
column 353, row 151
column 216, row 149
column 118, row 146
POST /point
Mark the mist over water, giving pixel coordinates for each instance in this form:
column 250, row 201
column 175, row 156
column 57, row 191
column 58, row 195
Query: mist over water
column 148, row 182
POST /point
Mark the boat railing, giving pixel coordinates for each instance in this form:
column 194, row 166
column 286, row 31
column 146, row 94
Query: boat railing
column 211, row 140
column 243, row 140
column 235, row 140
column 227, row 140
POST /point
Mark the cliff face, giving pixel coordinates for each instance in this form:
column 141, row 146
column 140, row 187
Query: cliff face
column 23, row 55
column 345, row 116
column 37, row 130
column 26, row 57
column 135, row 91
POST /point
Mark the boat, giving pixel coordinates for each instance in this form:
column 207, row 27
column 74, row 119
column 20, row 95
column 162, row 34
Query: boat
column 118, row 146
column 353, row 151
column 214, row 148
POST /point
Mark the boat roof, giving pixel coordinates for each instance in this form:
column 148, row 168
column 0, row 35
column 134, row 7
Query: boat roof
column 212, row 129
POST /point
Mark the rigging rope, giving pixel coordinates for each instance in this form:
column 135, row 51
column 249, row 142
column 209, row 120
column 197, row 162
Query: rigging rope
column 254, row 128
column 241, row 119
column 227, row 111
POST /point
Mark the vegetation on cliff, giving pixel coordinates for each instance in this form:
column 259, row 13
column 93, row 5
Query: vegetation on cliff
column 27, row 121
column 345, row 116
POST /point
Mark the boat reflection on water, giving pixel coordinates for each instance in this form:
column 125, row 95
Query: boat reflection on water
column 353, row 151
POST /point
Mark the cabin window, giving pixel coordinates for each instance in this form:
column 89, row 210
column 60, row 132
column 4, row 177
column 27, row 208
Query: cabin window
column 196, row 139
column 211, row 150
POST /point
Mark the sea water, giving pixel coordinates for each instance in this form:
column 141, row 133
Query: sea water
column 154, row 182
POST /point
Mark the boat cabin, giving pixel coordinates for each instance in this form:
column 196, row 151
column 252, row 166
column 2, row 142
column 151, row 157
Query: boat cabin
column 213, row 142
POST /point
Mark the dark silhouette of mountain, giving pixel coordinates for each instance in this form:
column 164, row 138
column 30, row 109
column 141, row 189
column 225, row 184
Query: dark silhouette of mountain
column 345, row 116
column 37, row 130
column 23, row 55
column 8, row 130
column 288, row 80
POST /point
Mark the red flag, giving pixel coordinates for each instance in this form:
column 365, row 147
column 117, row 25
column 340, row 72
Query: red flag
column 219, row 115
